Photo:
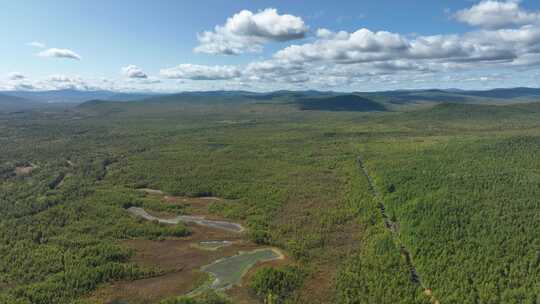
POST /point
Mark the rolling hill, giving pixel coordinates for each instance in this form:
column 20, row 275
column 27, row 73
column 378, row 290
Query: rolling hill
column 347, row 102
column 12, row 103
column 76, row 96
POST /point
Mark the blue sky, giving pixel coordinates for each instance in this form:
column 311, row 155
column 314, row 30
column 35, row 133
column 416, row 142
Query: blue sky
column 269, row 45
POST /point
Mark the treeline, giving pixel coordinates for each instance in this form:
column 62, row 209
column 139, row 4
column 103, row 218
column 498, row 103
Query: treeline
column 274, row 285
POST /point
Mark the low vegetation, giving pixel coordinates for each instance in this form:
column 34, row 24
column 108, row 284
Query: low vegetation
column 275, row 285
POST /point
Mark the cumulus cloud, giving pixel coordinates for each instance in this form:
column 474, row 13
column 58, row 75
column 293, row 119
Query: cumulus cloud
column 324, row 33
column 60, row 53
column 507, row 38
column 273, row 67
column 37, row 44
column 492, row 14
column 59, row 81
column 247, row 32
column 200, row 72
column 149, row 80
column 75, row 82
column 360, row 46
column 133, row 71
column 63, row 78
column 16, row 76
column 364, row 46
column 24, row 87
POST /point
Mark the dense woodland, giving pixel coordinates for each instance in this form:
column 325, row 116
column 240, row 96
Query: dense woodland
column 461, row 181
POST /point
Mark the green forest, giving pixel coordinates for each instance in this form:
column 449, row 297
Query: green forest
column 461, row 182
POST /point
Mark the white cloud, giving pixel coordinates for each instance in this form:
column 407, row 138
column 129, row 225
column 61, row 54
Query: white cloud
column 526, row 36
column 508, row 39
column 133, row 71
column 200, row 72
column 16, row 76
column 360, row 46
column 364, row 46
column 63, row 78
column 65, row 82
column 247, row 32
column 150, row 80
column 60, row 53
column 324, row 33
column 37, row 44
column 144, row 81
column 492, row 14
column 24, row 87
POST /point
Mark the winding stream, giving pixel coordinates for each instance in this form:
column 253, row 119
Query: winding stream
column 199, row 220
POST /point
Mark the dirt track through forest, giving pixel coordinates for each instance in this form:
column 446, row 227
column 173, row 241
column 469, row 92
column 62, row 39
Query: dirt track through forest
column 394, row 228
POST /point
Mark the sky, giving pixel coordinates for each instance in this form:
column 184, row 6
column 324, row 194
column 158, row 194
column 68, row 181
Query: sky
column 172, row 46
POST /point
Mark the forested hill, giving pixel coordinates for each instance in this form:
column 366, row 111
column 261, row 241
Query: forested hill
column 349, row 102
column 327, row 99
column 13, row 103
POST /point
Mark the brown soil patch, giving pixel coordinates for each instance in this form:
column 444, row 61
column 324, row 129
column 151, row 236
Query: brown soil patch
column 23, row 170
column 180, row 254
column 318, row 288
column 336, row 243
column 179, row 259
column 150, row 290
column 194, row 204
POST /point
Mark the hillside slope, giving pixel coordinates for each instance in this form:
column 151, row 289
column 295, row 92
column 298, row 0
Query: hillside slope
column 12, row 103
column 348, row 102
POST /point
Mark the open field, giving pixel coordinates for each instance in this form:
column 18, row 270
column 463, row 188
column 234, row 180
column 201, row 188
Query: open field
column 459, row 181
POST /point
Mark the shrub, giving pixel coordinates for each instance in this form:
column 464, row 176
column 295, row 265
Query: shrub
column 275, row 285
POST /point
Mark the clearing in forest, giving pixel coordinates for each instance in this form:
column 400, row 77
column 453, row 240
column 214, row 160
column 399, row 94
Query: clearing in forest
column 216, row 255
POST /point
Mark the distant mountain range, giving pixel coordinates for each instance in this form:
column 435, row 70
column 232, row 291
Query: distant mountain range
column 307, row 100
column 13, row 103
column 74, row 96
column 455, row 95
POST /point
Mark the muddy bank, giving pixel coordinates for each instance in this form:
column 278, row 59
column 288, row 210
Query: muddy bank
column 25, row 169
